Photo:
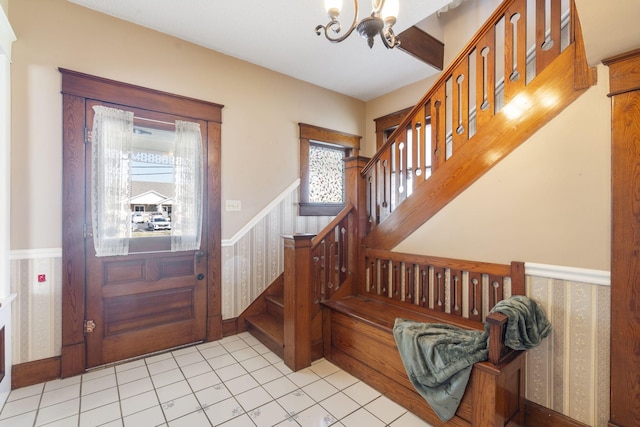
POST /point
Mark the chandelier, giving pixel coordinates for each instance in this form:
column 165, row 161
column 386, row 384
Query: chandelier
column 383, row 17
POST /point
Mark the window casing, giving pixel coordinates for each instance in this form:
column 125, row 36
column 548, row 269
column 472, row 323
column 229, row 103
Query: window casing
column 322, row 154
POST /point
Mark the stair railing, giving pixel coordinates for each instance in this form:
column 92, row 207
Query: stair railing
column 318, row 267
column 473, row 89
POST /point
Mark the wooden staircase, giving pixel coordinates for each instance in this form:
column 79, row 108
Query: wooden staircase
column 443, row 145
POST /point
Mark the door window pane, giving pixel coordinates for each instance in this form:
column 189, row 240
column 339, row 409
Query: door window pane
column 152, row 181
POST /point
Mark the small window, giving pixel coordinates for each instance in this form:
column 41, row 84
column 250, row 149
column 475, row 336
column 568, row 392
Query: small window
column 322, row 154
column 326, row 173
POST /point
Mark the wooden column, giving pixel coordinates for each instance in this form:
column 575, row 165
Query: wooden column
column 356, row 191
column 625, row 239
column 356, row 194
column 297, row 301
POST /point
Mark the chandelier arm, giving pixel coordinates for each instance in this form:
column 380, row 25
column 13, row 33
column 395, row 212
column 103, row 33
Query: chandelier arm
column 377, row 7
column 334, row 22
column 389, row 38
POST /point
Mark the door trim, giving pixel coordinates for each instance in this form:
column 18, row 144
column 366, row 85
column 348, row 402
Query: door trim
column 77, row 88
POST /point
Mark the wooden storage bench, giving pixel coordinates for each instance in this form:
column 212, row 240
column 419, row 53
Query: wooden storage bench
column 359, row 338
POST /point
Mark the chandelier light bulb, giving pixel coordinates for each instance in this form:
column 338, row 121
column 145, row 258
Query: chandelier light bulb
column 333, row 7
column 390, row 10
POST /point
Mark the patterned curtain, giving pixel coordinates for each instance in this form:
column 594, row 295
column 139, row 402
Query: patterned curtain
column 186, row 215
column 111, row 180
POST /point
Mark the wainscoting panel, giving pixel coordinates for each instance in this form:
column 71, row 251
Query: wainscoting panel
column 569, row 372
column 37, row 310
column 253, row 258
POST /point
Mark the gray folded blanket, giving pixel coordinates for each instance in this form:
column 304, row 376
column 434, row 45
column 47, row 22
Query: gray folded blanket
column 438, row 357
column 527, row 325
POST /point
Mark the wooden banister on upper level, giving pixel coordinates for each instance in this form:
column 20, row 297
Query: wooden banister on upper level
column 476, row 113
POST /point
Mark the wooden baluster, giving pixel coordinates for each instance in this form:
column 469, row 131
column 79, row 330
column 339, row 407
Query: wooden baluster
column 401, row 171
column 547, row 48
column 322, row 248
column 331, row 263
column 426, row 141
column 410, row 283
column 393, row 180
column 456, row 292
column 496, row 290
column 438, row 129
column 460, row 104
column 384, row 181
column 439, row 278
column 317, row 290
column 424, row 286
column 385, row 276
column 378, row 276
column 486, row 75
column 344, row 259
column 515, row 50
column 396, row 280
column 372, row 199
column 371, row 277
column 475, row 296
column 417, row 144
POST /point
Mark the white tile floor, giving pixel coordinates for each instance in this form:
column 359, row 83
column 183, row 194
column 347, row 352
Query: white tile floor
column 234, row 382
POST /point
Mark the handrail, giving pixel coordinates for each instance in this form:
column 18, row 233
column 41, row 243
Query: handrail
column 332, row 258
column 332, row 225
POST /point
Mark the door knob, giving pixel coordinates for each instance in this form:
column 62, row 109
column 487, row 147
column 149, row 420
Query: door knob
column 200, row 276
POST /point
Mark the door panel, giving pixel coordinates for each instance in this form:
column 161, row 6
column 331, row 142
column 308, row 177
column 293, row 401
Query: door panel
column 145, row 304
column 151, row 299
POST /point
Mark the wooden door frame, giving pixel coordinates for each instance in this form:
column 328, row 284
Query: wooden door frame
column 624, row 86
column 76, row 89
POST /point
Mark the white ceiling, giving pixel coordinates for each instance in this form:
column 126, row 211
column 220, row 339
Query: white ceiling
column 279, row 35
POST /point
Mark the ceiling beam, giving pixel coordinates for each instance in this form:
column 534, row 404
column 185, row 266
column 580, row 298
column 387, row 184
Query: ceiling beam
column 423, row 46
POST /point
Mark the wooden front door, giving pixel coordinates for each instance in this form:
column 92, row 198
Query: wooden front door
column 151, row 299
column 118, row 307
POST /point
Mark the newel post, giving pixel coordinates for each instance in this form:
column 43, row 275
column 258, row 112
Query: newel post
column 297, row 301
column 356, row 192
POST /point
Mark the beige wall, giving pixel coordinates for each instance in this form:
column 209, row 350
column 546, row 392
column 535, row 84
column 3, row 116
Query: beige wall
column 548, row 202
column 259, row 132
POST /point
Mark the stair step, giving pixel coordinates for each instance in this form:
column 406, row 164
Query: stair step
column 269, row 330
column 276, row 299
column 275, row 306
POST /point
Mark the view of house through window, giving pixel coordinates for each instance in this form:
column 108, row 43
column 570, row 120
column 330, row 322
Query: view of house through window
column 152, row 181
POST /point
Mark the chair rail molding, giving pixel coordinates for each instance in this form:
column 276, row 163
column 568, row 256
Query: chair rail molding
column 573, row 274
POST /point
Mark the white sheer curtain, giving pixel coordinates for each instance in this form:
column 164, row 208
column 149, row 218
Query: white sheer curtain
column 111, row 180
column 186, row 214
